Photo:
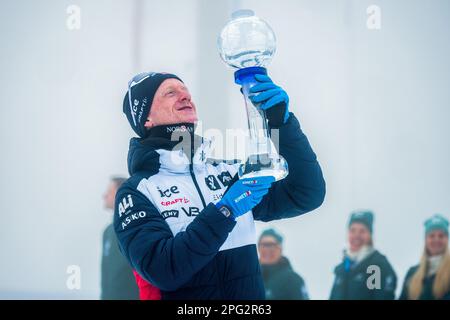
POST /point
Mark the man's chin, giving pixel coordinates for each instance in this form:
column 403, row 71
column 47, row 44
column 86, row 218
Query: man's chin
column 189, row 119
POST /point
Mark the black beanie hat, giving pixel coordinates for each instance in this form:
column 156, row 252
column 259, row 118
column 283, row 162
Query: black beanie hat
column 139, row 97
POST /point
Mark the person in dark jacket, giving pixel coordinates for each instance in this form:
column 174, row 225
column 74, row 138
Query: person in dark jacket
column 364, row 274
column 430, row 279
column 117, row 280
column 184, row 221
column 280, row 280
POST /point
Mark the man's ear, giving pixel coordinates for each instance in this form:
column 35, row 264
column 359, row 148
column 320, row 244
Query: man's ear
column 149, row 123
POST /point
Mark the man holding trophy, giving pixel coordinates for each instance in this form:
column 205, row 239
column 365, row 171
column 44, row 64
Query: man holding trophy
column 185, row 222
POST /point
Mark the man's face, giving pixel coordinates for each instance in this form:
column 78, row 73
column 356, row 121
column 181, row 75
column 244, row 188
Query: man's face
column 110, row 195
column 436, row 242
column 358, row 236
column 269, row 250
column 171, row 104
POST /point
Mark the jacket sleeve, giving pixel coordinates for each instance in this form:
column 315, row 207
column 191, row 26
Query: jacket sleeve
column 303, row 190
column 145, row 239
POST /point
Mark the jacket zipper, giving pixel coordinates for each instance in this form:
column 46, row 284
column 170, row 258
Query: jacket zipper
column 194, row 179
column 191, row 170
column 220, row 285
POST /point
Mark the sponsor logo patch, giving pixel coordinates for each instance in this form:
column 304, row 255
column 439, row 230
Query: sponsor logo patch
column 132, row 217
column 125, row 204
column 170, row 214
column 191, row 211
column 168, row 192
column 212, row 183
column 174, row 201
column 225, row 177
column 242, row 196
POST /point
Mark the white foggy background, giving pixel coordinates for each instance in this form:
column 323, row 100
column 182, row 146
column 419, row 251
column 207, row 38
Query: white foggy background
column 373, row 103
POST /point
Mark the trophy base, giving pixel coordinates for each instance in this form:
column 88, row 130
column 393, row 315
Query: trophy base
column 264, row 165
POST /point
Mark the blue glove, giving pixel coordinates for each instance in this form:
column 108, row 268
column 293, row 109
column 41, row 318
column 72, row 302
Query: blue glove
column 245, row 194
column 270, row 95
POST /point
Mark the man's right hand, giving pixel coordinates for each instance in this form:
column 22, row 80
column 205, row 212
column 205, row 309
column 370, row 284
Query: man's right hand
column 245, row 194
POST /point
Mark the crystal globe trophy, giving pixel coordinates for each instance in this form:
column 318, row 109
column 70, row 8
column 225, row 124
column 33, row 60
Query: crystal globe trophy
column 247, row 43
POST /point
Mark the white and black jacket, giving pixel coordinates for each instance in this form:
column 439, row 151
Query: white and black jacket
column 171, row 232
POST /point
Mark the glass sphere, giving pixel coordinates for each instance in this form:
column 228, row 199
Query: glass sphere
column 246, row 41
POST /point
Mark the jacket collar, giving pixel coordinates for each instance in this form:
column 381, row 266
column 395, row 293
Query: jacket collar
column 168, row 147
column 356, row 267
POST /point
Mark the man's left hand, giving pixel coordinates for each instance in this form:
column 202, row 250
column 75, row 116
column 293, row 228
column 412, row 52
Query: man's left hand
column 272, row 98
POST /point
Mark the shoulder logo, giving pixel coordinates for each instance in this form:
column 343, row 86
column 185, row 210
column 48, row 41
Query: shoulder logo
column 130, row 218
column 126, row 203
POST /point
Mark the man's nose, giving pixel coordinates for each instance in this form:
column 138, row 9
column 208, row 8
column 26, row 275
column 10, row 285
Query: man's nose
column 185, row 96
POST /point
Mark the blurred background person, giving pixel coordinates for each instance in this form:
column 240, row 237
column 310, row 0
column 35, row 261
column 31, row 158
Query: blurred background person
column 281, row 282
column 117, row 279
column 430, row 279
column 351, row 274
